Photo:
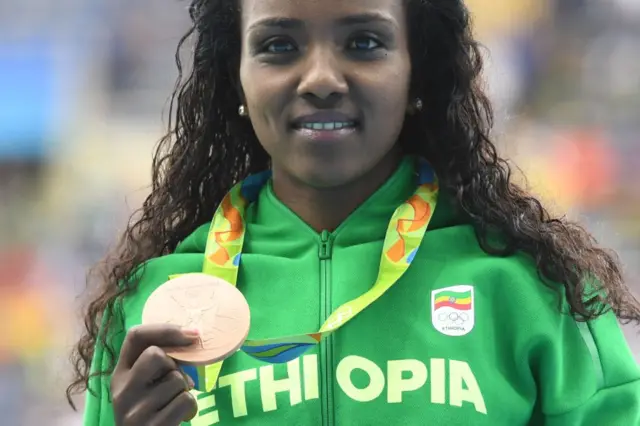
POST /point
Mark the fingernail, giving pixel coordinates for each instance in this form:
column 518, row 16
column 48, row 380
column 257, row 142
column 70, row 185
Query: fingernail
column 190, row 382
column 191, row 332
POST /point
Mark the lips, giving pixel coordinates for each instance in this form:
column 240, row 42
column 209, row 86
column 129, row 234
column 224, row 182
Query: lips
column 325, row 121
column 333, row 125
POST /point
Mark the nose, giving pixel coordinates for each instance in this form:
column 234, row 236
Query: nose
column 323, row 82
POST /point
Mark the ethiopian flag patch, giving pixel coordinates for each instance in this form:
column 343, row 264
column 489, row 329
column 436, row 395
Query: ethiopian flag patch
column 452, row 310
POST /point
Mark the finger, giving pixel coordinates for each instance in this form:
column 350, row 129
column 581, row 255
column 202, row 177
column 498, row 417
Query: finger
column 182, row 408
column 130, row 387
column 151, row 365
column 150, row 402
column 141, row 337
column 167, row 389
column 189, row 380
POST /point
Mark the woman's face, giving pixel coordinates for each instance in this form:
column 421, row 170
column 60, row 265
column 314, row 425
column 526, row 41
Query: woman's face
column 325, row 84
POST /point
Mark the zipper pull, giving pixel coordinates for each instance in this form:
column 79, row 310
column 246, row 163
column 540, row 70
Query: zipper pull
column 324, row 251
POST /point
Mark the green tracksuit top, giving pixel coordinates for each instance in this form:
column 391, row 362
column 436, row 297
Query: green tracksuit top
column 505, row 358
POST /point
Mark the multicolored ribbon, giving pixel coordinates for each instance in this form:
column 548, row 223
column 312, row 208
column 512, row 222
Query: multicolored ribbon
column 224, row 249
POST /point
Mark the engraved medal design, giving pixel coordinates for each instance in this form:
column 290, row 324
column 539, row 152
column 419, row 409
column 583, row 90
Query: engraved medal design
column 206, row 303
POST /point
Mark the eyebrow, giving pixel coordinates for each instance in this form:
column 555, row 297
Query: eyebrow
column 292, row 23
column 278, row 22
column 367, row 18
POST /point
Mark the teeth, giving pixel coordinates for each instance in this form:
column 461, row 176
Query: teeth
column 328, row 126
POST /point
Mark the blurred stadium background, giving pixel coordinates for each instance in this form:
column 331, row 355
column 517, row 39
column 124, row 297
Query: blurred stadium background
column 83, row 84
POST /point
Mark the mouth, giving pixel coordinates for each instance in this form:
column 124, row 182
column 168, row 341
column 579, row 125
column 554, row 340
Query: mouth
column 326, row 125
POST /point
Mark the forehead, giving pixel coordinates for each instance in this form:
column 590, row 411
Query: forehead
column 319, row 10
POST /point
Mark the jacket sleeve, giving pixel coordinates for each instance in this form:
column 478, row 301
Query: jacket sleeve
column 590, row 378
column 98, row 410
column 617, row 405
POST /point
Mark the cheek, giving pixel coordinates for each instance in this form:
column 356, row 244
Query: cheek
column 398, row 83
column 389, row 96
column 263, row 93
column 248, row 83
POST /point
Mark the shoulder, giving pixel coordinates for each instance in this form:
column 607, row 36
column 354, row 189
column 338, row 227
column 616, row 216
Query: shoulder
column 512, row 296
column 510, row 282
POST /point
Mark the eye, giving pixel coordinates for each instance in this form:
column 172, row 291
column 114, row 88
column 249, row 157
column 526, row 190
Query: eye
column 364, row 43
column 279, row 46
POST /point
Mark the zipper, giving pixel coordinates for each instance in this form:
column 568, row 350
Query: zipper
column 326, row 347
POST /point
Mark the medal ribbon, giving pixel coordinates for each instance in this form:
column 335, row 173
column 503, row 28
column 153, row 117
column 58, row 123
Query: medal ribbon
column 223, row 253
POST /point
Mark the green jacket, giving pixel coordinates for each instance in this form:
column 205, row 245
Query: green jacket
column 501, row 356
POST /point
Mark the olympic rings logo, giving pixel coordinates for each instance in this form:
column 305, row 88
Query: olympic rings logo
column 453, row 318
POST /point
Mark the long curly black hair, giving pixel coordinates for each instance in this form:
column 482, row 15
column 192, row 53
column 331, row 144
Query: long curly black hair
column 208, row 148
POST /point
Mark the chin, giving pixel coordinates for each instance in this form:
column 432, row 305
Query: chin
column 321, row 174
column 325, row 166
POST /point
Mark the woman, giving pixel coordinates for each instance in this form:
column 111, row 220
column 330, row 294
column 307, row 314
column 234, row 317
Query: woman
column 506, row 316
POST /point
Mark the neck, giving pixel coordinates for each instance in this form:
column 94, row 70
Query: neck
column 326, row 208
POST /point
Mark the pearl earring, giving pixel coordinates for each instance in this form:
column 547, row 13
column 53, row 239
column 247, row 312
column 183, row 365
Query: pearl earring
column 418, row 104
column 242, row 111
